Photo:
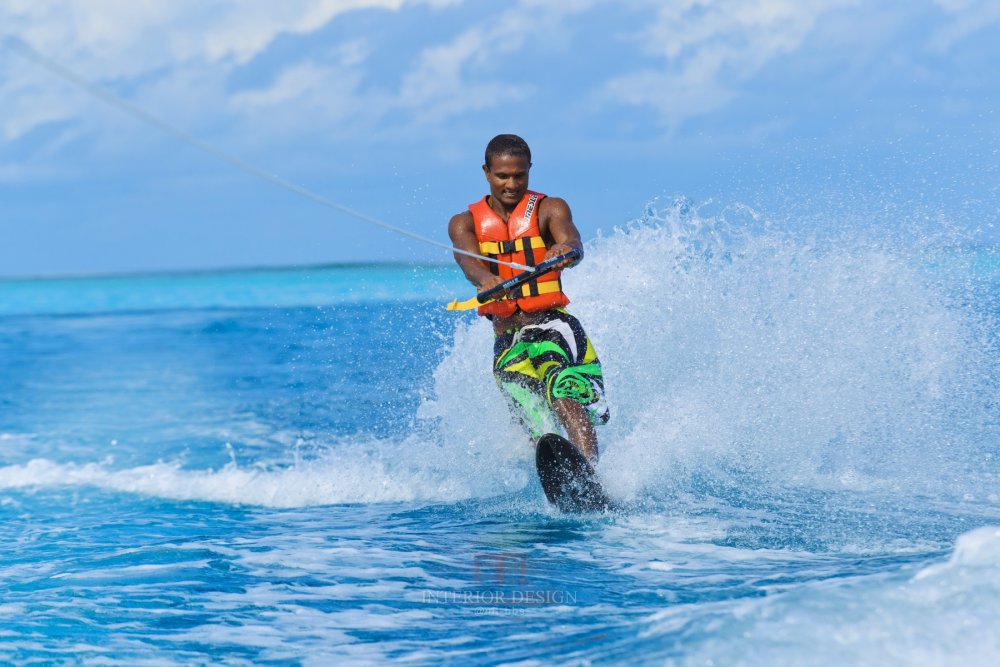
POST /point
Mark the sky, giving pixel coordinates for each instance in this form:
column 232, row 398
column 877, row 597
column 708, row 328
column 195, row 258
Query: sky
column 792, row 107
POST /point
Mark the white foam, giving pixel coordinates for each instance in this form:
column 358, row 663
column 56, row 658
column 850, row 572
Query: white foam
column 351, row 474
column 477, row 452
column 977, row 549
column 726, row 347
column 945, row 615
column 846, row 363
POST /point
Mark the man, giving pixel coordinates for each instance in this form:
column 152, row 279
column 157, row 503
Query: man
column 542, row 358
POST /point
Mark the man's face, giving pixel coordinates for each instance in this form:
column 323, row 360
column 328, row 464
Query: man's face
column 508, row 179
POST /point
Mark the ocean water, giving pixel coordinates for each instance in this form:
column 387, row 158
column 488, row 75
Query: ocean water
column 314, row 466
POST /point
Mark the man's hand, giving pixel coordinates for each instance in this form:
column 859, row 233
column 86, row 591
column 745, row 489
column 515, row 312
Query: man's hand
column 559, row 249
column 493, row 281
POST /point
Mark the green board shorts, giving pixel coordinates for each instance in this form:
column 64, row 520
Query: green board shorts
column 544, row 360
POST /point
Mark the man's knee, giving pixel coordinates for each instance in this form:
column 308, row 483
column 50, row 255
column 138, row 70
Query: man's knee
column 572, row 384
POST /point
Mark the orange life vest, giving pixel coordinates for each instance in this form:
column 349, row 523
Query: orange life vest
column 517, row 240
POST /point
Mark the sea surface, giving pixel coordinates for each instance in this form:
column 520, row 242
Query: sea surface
column 314, row 466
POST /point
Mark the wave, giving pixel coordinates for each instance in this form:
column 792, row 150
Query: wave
column 945, row 614
column 355, row 471
column 733, row 347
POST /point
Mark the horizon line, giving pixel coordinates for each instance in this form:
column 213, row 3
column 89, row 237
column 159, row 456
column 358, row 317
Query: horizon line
column 259, row 268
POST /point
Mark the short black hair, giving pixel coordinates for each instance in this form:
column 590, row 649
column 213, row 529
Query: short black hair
column 507, row 144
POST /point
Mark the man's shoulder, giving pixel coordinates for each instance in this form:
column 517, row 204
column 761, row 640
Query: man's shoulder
column 552, row 206
column 461, row 217
column 460, row 224
column 550, row 202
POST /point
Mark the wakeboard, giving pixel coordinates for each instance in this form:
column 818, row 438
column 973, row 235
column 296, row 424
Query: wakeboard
column 568, row 479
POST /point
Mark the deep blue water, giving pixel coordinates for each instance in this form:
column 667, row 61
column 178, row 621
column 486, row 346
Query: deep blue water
column 314, row 467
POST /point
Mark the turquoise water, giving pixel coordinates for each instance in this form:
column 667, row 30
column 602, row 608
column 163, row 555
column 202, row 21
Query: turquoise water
column 314, row 286
column 314, row 466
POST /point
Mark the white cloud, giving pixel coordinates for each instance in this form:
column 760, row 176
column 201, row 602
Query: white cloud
column 306, row 99
column 110, row 38
column 968, row 17
column 19, row 173
column 710, row 48
column 177, row 58
column 155, row 44
column 446, row 79
column 442, row 84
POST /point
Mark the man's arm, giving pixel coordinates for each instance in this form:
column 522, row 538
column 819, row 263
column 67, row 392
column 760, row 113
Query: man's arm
column 462, row 231
column 556, row 221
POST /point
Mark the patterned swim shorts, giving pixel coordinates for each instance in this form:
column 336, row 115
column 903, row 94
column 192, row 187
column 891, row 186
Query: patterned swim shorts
column 544, row 360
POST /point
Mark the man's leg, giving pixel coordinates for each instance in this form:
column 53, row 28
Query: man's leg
column 551, row 362
column 576, row 420
column 575, row 387
column 523, row 390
